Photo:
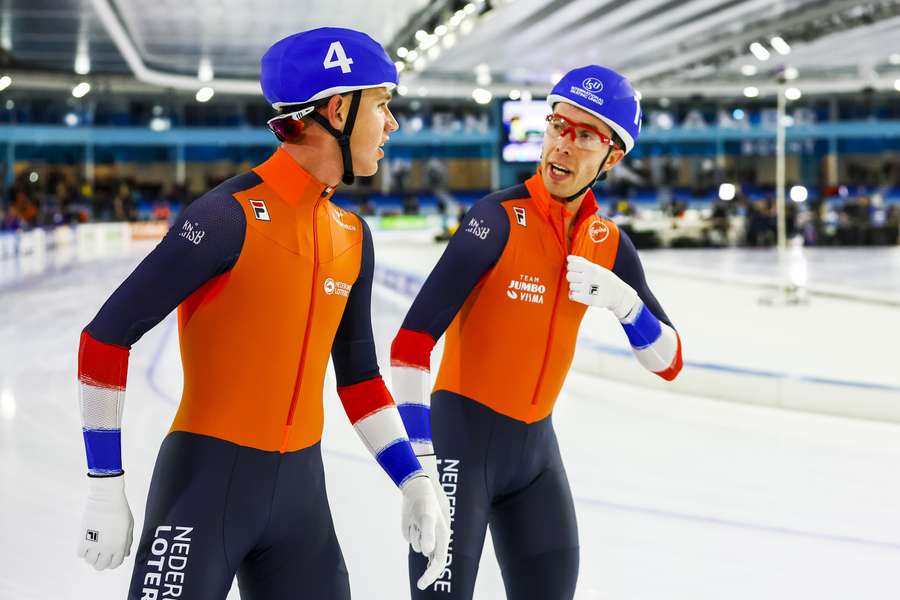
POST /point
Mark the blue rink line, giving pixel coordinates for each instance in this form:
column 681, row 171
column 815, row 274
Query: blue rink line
column 152, row 369
column 408, row 284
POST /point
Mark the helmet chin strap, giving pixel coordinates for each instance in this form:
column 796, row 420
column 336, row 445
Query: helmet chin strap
column 599, row 177
column 343, row 137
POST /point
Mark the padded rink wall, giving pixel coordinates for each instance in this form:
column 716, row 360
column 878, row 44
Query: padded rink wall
column 608, row 356
column 602, row 347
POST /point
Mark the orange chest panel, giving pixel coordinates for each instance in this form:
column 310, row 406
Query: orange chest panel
column 511, row 344
column 255, row 341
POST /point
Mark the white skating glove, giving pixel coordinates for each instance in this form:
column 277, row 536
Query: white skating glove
column 594, row 285
column 106, row 531
column 424, row 527
column 429, row 465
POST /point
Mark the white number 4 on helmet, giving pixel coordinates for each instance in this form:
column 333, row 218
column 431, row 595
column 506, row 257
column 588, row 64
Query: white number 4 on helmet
column 336, row 57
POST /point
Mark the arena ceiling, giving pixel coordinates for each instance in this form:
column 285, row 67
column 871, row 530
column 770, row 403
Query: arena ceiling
column 667, row 47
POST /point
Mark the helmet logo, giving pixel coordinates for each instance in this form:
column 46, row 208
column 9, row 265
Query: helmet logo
column 592, row 84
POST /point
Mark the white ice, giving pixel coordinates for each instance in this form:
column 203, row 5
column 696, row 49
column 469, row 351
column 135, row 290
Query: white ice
column 677, row 497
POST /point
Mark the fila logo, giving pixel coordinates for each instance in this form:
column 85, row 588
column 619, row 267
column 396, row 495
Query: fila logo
column 260, row 210
column 598, row 231
column 520, row 216
column 92, row 536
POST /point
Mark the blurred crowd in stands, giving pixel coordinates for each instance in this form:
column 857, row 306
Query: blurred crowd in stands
column 838, row 219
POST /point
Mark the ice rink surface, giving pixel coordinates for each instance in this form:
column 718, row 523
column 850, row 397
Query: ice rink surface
column 677, row 497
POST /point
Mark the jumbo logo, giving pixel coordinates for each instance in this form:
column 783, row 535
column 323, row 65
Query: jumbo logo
column 592, row 84
column 598, row 231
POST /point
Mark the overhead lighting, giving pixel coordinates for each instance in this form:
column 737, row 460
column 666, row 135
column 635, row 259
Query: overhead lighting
column 402, row 52
column 81, row 90
column 897, row 85
column 738, row 114
column 781, row 46
column 420, row 63
column 759, row 51
column 664, row 102
column 792, row 93
column 10, row 105
column 82, row 63
column 457, row 18
column 449, row 40
column 727, row 191
column 469, row 8
column 428, row 42
column 205, row 70
column 160, row 124
column 749, row 70
column 421, row 35
column 434, row 52
column 402, row 90
column 514, row 94
column 423, row 92
column 481, row 96
column 440, row 30
column 71, row 119
column 894, row 59
column 412, row 55
column 5, row 82
column 483, row 74
column 466, row 27
column 799, row 193
column 33, row 177
column 205, row 94
column 751, row 92
column 791, row 73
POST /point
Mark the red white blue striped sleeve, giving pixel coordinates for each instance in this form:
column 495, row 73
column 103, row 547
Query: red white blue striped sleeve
column 653, row 339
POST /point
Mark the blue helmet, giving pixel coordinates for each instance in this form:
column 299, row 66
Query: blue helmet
column 605, row 94
column 300, row 73
column 315, row 64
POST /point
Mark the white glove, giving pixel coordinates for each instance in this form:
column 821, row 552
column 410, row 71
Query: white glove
column 429, row 465
column 106, row 531
column 424, row 527
column 594, row 285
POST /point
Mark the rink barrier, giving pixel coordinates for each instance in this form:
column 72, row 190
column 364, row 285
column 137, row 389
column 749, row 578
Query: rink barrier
column 808, row 393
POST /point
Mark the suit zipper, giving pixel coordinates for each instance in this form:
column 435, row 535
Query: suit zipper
column 295, row 395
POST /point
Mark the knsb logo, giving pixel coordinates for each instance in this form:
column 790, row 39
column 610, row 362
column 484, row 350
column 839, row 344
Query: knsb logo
column 526, row 288
column 338, row 288
column 592, row 84
column 478, row 229
column 190, row 234
column 598, row 231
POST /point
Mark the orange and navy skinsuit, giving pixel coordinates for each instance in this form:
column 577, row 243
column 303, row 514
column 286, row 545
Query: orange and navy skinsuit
column 500, row 294
column 269, row 278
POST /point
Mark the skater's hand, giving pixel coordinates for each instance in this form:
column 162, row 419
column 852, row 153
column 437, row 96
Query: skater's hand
column 424, row 527
column 106, row 531
column 429, row 465
column 594, row 285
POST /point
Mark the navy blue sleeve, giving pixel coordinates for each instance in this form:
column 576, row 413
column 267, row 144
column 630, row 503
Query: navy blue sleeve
column 473, row 250
column 628, row 268
column 353, row 351
column 205, row 241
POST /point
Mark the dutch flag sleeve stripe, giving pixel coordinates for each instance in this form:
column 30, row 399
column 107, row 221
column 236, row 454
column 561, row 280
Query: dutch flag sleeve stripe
column 399, row 462
column 377, row 422
column 412, row 349
column 417, row 421
column 644, row 329
column 102, row 375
